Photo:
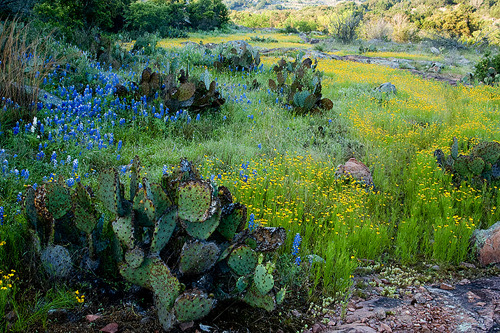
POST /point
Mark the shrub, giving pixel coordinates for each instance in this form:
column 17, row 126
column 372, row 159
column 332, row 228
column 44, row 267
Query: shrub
column 344, row 26
column 153, row 17
column 207, row 14
column 376, row 29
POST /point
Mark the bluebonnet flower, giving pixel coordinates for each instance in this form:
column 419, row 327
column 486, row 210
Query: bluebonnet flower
column 296, row 247
column 250, row 116
column 260, row 146
column 34, row 186
column 119, row 145
column 70, row 182
column 165, row 169
column 15, row 130
column 75, row 165
column 123, row 169
column 118, row 157
column 252, row 225
column 2, row 213
column 198, row 117
column 19, row 197
column 25, row 173
column 296, row 244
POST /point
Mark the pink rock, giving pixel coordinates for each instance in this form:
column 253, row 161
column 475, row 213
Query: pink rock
column 356, row 169
column 110, row 328
column 446, row 286
column 487, row 244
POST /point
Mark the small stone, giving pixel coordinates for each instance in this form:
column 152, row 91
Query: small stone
column 332, row 323
column 467, row 265
column 380, row 314
column 435, row 268
column 464, row 281
column 185, row 326
column 318, row 328
column 384, row 328
column 480, row 303
column 446, row 286
column 92, row 317
column 351, row 309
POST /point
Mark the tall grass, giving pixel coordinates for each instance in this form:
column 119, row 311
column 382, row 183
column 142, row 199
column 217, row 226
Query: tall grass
column 23, row 65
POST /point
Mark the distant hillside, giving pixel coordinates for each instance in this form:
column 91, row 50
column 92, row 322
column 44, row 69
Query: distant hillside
column 281, row 4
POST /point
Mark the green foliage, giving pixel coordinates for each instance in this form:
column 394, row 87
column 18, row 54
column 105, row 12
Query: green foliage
column 237, row 56
column 487, row 69
column 155, row 16
column 81, row 14
column 207, row 14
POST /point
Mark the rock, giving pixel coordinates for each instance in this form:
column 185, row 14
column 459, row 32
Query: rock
column 351, row 328
column 314, row 41
column 57, row 261
column 446, row 286
column 486, row 244
column 318, row 328
column 356, row 169
column 385, row 328
column 387, row 87
column 435, row 50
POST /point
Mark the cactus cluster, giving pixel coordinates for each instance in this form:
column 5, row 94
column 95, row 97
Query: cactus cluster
column 237, row 55
column 194, row 94
column 183, row 238
column 481, row 165
column 304, row 92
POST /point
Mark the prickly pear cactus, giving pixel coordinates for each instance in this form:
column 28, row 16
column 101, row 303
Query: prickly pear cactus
column 192, row 305
column 481, row 165
column 198, row 257
column 242, row 260
column 183, row 231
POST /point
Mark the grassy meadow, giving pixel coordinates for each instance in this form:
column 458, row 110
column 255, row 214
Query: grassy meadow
column 280, row 165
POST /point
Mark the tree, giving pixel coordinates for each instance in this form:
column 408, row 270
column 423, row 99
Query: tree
column 207, row 14
column 105, row 14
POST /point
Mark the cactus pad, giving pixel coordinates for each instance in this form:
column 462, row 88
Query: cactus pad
column 29, row 202
column 454, row 148
column 195, row 201
column 192, row 305
column 254, row 298
column 186, row 91
column 134, row 257
column 476, row 165
column 198, row 257
column 124, row 230
column 242, row 260
column 280, row 296
column 160, row 200
column 241, row 284
column 57, row 261
column 488, row 151
column 85, row 219
column 232, row 220
column 461, row 165
column 165, row 286
column 263, row 280
column 144, row 209
column 109, row 191
column 204, row 229
column 164, row 229
column 58, row 200
column 135, row 170
column 139, row 275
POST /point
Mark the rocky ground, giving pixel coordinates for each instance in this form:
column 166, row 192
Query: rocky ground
column 468, row 305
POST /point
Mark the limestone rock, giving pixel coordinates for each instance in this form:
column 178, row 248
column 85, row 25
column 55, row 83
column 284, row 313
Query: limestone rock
column 487, row 244
column 356, row 169
column 387, row 87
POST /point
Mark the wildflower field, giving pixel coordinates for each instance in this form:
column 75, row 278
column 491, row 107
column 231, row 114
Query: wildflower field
column 280, row 165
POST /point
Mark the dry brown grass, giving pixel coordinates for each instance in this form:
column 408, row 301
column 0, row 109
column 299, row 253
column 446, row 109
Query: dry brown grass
column 22, row 69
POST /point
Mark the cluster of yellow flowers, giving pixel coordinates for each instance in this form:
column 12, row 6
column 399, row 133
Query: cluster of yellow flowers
column 79, row 298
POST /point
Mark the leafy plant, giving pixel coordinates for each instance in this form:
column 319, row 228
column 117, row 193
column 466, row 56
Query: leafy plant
column 237, row 56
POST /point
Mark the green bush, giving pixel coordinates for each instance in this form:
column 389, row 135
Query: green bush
column 487, row 70
column 107, row 15
column 207, row 14
column 152, row 16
